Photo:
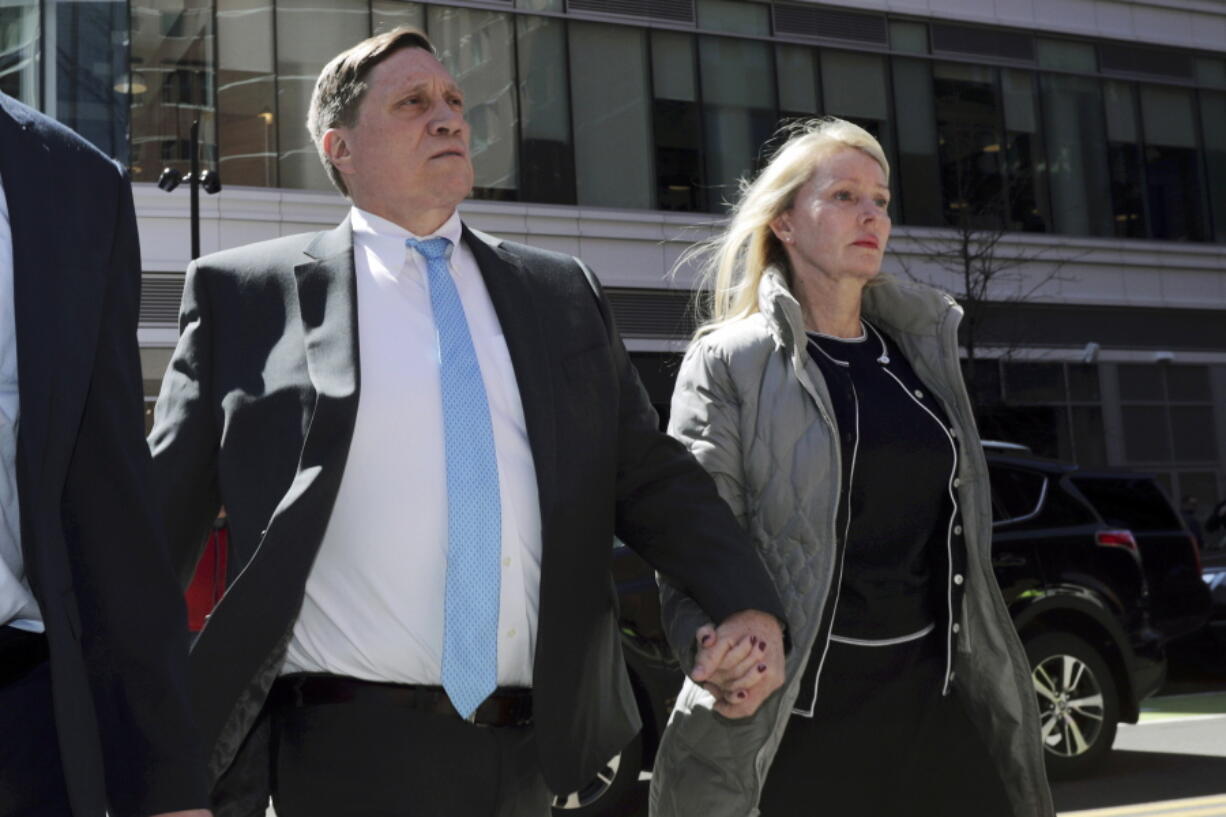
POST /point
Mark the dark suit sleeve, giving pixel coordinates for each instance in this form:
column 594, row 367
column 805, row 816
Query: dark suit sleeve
column 184, row 439
column 668, row 508
column 133, row 619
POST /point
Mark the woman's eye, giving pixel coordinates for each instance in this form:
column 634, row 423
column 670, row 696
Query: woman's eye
column 843, row 195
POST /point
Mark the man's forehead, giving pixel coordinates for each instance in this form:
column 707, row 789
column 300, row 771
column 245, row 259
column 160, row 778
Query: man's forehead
column 411, row 67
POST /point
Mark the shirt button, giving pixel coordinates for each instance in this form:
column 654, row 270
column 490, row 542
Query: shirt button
column 506, row 561
column 951, row 677
column 957, row 482
column 953, row 432
column 511, row 633
column 957, row 530
column 956, row 628
column 957, row 578
column 919, row 393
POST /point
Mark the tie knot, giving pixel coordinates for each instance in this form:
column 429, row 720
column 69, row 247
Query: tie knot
column 432, row 248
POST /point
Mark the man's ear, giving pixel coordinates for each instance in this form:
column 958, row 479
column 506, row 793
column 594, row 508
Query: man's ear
column 336, row 148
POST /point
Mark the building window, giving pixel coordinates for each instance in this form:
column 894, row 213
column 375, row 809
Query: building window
column 309, row 34
column 1213, row 123
column 854, row 88
column 968, row 120
column 612, row 116
column 91, row 81
column 1168, row 420
column 677, row 122
column 1027, row 206
column 247, row 93
column 1172, row 166
column 388, row 14
column 1053, row 408
column 917, row 174
column 1076, row 162
column 738, row 112
column 547, row 158
column 172, row 71
column 1124, row 159
column 477, row 47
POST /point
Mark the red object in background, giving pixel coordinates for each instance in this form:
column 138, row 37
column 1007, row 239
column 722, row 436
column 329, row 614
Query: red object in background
column 210, row 580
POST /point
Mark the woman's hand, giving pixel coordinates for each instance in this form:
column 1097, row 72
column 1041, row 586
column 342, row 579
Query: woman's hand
column 740, row 662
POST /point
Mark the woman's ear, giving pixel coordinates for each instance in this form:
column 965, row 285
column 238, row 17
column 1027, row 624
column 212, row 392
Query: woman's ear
column 781, row 226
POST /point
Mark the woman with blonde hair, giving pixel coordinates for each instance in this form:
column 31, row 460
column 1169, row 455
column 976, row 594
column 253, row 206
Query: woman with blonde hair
column 827, row 402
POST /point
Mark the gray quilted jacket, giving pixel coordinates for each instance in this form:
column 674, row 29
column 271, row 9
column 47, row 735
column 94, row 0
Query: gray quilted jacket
column 753, row 408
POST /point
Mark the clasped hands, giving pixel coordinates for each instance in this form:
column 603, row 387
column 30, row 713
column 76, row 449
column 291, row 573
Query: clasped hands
column 740, row 662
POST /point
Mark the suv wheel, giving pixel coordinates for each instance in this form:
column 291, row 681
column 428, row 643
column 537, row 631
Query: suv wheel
column 602, row 797
column 1078, row 703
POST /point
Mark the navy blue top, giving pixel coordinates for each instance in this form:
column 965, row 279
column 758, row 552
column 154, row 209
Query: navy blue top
column 895, row 513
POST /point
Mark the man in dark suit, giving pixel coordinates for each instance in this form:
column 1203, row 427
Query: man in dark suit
column 93, row 692
column 425, row 623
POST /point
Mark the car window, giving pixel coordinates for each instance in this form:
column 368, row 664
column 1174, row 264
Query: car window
column 1016, row 493
column 1134, row 503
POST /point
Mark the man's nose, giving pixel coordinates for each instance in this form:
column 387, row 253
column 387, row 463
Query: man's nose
column 445, row 120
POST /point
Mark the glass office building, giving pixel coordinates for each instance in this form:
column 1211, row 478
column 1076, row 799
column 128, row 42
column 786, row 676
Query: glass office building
column 1090, row 143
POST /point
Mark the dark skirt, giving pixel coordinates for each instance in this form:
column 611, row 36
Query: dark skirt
column 883, row 741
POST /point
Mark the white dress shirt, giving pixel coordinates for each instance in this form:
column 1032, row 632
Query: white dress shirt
column 374, row 598
column 17, row 605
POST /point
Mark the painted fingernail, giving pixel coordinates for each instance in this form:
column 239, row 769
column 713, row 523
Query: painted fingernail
column 761, row 667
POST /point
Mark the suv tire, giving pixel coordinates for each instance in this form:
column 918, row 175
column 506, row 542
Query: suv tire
column 1079, row 706
column 603, row 796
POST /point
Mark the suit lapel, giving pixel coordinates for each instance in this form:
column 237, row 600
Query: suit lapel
column 517, row 304
column 39, row 264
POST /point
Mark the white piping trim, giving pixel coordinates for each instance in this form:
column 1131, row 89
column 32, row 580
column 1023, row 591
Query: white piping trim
column 883, row 642
column 855, row 450
column 953, row 497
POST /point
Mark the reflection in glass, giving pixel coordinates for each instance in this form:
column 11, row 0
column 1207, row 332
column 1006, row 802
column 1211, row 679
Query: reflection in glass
column 1213, row 123
column 1192, row 434
column 547, row 158
column 1077, row 165
column 309, row 34
column 388, row 14
column 1139, row 382
column 19, row 50
column 918, row 170
column 1146, row 437
column 91, row 82
column 246, row 93
column 1172, row 164
column 1124, row 159
column 677, row 123
column 738, row 111
column 612, row 119
column 172, row 60
column 1027, row 200
column 969, row 138
column 478, row 49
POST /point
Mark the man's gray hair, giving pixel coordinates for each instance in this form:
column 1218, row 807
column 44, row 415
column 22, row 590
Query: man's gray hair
column 342, row 85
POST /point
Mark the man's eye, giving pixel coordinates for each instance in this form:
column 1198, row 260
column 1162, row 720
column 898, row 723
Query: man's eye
column 883, row 203
column 843, row 195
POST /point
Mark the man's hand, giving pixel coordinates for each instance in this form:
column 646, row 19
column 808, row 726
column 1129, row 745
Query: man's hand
column 740, row 662
column 196, row 812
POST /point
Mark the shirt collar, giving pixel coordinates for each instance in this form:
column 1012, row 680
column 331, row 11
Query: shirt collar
column 386, row 236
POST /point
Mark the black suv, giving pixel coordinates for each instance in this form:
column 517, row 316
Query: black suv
column 1098, row 572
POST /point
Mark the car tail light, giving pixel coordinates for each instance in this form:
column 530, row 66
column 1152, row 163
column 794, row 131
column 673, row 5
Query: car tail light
column 1116, row 539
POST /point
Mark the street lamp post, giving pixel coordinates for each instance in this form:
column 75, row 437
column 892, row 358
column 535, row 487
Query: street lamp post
column 208, row 179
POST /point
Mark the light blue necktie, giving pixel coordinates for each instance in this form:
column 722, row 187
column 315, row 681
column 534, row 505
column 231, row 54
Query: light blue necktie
column 474, row 523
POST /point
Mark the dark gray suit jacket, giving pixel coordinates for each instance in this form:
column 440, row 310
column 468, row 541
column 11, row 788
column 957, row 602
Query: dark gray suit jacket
column 257, row 412
column 92, row 547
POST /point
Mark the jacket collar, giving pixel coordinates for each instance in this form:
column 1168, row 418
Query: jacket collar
column 899, row 306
